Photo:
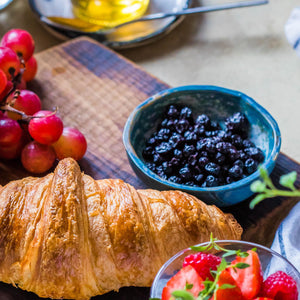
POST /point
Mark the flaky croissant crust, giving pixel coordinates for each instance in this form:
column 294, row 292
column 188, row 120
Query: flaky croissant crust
column 69, row 236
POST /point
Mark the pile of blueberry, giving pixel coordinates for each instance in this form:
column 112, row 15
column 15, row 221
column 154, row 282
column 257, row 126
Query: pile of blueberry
column 198, row 152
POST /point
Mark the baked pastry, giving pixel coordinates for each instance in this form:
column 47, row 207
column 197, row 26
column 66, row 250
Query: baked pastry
column 69, row 236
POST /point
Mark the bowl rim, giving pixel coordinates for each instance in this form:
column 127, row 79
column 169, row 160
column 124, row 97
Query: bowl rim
column 246, row 243
column 194, row 88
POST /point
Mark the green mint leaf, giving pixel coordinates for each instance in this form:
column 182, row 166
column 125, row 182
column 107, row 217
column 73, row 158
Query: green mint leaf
column 188, row 286
column 154, row 298
column 199, row 248
column 241, row 253
column 222, row 266
column 242, row 265
column 182, row 295
column 288, row 180
column 226, row 286
column 258, row 186
column 229, row 253
column 257, row 200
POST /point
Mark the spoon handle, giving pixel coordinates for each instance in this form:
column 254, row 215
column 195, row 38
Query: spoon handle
column 196, row 10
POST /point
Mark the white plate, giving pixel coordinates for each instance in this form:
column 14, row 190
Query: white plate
column 128, row 36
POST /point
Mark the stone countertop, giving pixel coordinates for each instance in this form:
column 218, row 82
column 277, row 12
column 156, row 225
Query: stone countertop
column 242, row 49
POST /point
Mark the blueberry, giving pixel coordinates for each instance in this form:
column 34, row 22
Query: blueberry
column 210, row 181
column 174, row 162
column 186, row 113
column 151, row 142
column 238, row 123
column 223, row 147
column 212, row 169
column 185, row 173
column 171, row 124
column 203, row 120
column 193, row 159
column 210, row 147
column 176, row 140
column 178, row 153
column 163, row 134
column 199, row 178
column 201, row 144
column 250, row 165
column 229, row 180
column 164, row 123
column 172, row 112
column 255, row 153
column 242, row 155
column 203, row 161
column 240, row 163
column 188, row 150
column 151, row 166
column 237, row 141
column 190, row 183
column 190, row 137
column 203, row 153
column 163, row 149
column 233, row 155
column 199, row 130
column 235, row 172
column 220, row 158
column 175, row 179
column 182, row 125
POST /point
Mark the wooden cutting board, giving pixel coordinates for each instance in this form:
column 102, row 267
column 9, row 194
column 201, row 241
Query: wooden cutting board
column 95, row 90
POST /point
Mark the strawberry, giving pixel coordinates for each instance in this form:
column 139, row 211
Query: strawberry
column 250, row 279
column 203, row 263
column 263, row 298
column 227, row 293
column 187, row 275
column 280, row 286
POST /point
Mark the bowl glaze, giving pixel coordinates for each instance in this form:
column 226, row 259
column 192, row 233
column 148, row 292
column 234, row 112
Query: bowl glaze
column 218, row 103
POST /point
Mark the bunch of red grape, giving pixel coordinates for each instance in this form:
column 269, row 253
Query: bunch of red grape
column 36, row 136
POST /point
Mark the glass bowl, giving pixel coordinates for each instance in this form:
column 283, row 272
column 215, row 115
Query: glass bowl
column 270, row 260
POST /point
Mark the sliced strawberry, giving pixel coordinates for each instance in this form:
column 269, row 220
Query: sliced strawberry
column 227, row 293
column 187, row 275
column 250, row 279
column 280, row 286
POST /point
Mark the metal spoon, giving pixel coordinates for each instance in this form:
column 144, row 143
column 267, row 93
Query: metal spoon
column 81, row 26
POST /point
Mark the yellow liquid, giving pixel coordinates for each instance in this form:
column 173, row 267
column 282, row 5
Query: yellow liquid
column 109, row 13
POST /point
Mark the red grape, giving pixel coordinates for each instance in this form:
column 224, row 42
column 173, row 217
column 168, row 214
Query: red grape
column 9, row 62
column 20, row 41
column 71, row 143
column 10, row 132
column 27, row 102
column 47, row 128
column 31, row 69
column 3, row 81
column 8, row 87
column 14, row 151
column 37, row 158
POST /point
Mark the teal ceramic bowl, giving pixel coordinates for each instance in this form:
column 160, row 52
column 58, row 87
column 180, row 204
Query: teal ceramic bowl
column 218, row 103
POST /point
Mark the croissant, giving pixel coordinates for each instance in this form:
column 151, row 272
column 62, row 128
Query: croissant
column 69, row 236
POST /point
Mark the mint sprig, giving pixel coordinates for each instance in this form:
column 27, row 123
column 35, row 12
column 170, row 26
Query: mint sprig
column 265, row 188
column 212, row 244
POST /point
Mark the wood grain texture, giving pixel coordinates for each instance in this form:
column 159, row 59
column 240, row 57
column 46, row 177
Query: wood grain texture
column 96, row 89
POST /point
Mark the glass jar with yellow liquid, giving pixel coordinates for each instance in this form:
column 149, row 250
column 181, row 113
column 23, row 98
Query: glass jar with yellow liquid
column 109, row 13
